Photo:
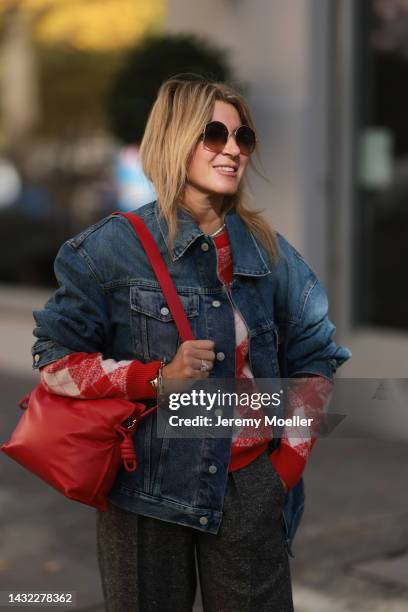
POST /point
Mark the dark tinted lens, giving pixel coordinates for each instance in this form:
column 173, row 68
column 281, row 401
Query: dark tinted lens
column 215, row 136
column 245, row 138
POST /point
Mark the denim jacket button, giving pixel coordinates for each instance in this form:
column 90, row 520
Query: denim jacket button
column 213, row 469
column 204, row 246
column 220, row 356
column 164, row 310
column 203, row 520
column 36, row 358
column 216, row 304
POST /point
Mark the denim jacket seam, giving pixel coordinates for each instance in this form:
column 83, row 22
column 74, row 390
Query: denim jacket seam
column 307, row 290
column 260, row 255
column 254, row 273
column 90, row 265
column 155, row 286
column 77, row 240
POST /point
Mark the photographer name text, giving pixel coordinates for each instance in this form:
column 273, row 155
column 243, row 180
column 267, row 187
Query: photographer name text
column 255, row 422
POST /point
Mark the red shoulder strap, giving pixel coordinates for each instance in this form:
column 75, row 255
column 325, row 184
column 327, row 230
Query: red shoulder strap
column 162, row 274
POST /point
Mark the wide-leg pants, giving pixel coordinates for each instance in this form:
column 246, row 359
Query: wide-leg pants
column 149, row 565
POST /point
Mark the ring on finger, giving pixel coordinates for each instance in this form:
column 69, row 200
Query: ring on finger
column 204, row 366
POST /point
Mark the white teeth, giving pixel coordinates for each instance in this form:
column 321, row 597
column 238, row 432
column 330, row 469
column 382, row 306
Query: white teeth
column 226, row 168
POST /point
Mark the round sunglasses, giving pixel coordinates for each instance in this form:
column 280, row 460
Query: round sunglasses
column 215, row 137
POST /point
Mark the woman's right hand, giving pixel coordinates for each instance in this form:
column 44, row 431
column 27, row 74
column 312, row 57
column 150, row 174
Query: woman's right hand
column 188, row 359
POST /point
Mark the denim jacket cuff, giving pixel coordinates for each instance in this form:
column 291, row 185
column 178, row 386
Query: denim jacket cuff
column 47, row 351
column 323, row 368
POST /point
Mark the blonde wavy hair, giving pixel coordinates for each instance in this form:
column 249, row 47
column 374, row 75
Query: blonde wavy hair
column 177, row 119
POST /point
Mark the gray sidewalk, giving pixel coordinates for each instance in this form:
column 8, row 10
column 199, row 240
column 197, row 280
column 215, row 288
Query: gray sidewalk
column 351, row 549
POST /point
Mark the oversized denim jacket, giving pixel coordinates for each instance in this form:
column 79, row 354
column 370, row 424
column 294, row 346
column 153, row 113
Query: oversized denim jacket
column 109, row 301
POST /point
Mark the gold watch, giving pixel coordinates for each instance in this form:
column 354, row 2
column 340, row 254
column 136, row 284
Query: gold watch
column 157, row 381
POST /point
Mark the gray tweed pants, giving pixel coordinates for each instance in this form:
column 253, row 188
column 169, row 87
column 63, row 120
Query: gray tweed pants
column 148, row 565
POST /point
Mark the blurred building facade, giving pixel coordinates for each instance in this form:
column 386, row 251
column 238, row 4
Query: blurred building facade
column 328, row 147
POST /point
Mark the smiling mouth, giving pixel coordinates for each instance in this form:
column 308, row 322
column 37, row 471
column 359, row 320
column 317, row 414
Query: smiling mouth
column 226, row 170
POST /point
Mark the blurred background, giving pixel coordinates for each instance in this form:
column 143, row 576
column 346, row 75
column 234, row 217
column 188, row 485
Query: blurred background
column 327, row 81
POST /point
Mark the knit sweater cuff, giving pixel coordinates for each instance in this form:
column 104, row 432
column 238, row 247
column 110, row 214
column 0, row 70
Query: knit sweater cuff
column 138, row 379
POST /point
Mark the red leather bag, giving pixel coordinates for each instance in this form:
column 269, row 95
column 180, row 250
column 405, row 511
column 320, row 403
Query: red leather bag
column 77, row 446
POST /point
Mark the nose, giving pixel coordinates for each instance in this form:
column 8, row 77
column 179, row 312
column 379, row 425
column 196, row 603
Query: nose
column 231, row 147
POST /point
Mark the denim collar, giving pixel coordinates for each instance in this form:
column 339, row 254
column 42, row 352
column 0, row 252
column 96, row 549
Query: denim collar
column 246, row 255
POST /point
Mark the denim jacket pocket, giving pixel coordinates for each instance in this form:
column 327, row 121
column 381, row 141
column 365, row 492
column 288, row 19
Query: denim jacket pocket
column 154, row 332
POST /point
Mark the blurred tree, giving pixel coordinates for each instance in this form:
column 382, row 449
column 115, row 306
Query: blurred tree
column 99, row 25
column 91, row 25
column 57, row 59
column 73, row 87
column 146, row 66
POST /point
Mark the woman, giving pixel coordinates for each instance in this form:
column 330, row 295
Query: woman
column 256, row 309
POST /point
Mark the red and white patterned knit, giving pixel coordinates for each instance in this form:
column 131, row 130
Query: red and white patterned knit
column 89, row 376
column 247, row 442
column 307, row 397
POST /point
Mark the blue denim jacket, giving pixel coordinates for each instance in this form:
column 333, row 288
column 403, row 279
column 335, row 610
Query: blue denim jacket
column 109, row 301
